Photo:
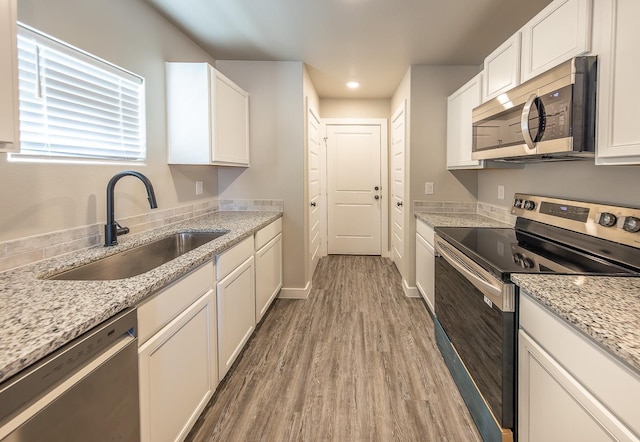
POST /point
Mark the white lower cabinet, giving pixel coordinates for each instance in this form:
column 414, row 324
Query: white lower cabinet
column 177, row 363
column 568, row 388
column 235, row 293
column 425, row 263
column 268, row 260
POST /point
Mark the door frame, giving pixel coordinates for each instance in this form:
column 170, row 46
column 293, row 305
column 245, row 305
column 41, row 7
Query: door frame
column 383, row 123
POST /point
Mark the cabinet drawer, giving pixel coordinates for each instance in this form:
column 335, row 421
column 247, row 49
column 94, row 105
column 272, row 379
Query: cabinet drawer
column 233, row 257
column 267, row 233
column 613, row 383
column 159, row 309
column 426, row 231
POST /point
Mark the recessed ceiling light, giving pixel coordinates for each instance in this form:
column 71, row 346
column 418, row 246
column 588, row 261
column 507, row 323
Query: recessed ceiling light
column 353, row 84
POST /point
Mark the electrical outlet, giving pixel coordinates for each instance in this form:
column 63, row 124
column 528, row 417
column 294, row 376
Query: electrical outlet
column 428, row 188
column 199, row 187
column 500, row 192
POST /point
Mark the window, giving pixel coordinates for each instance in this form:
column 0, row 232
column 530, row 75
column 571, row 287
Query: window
column 76, row 107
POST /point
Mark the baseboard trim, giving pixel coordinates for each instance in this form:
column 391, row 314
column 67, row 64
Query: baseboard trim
column 410, row 292
column 295, row 293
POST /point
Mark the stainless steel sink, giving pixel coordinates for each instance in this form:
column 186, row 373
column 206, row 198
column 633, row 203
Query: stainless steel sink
column 139, row 259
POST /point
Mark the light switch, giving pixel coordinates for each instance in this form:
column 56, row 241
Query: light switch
column 199, row 187
column 428, row 188
column 500, row 192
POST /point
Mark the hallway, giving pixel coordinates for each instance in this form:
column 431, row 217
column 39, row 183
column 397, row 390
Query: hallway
column 356, row 361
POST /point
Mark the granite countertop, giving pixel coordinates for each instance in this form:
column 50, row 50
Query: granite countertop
column 458, row 220
column 39, row 316
column 605, row 309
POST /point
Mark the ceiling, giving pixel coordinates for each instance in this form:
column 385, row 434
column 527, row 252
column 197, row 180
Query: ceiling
column 371, row 41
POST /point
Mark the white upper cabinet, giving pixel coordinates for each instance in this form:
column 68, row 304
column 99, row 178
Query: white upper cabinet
column 559, row 32
column 9, row 122
column 460, row 104
column 502, row 68
column 207, row 117
column 616, row 37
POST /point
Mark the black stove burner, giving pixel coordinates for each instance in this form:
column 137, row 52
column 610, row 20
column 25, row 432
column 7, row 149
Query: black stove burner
column 503, row 251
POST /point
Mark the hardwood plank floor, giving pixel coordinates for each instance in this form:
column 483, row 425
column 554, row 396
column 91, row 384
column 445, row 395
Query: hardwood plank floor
column 356, row 361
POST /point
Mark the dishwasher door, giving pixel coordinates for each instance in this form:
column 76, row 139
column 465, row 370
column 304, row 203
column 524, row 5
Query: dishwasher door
column 97, row 401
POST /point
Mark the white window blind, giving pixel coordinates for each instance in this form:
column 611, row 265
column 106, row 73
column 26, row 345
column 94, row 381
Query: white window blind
column 74, row 106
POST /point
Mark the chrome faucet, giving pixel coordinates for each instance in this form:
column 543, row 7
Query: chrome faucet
column 112, row 229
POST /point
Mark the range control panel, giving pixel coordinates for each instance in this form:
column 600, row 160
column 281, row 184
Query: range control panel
column 614, row 223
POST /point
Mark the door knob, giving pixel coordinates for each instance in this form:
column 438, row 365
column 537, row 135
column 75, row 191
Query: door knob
column 313, row 204
column 377, row 197
column 399, row 204
column 376, row 188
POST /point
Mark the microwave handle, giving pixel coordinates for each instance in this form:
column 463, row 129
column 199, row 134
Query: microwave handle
column 524, row 124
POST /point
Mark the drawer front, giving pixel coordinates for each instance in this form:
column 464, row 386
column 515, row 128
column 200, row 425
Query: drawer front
column 426, row 231
column 159, row 309
column 613, row 383
column 233, row 257
column 267, row 233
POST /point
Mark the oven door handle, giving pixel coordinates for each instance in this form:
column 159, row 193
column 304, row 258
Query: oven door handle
column 501, row 294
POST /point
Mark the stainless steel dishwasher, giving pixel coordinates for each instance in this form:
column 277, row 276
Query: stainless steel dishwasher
column 85, row 391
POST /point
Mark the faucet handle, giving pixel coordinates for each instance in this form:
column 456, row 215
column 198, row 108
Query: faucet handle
column 121, row 230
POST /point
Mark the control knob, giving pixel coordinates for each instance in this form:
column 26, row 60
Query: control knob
column 631, row 224
column 607, row 219
column 522, row 261
column 517, row 203
column 529, row 205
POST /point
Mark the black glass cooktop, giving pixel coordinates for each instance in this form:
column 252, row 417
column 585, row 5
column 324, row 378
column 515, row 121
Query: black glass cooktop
column 503, row 251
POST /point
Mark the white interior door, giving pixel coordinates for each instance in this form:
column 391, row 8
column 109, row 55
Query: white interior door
column 397, row 187
column 354, row 189
column 315, row 200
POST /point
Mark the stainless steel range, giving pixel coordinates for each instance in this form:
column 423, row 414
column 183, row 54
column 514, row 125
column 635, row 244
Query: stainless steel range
column 476, row 302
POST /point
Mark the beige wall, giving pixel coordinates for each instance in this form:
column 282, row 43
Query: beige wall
column 426, row 89
column 354, row 108
column 580, row 180
column 277, row 151
column 39, row 198
column 430, row 87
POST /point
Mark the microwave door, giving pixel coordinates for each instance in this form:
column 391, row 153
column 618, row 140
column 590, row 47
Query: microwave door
column 500, row 135
column 533, row 123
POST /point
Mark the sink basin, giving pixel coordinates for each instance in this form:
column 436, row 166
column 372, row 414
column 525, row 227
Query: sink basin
column 139, row 259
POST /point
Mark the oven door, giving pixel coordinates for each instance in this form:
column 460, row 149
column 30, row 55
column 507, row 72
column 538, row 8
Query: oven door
column 476, row 311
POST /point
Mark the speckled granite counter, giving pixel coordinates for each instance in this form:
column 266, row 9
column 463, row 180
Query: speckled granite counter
column 606, row 309
column 38, row 316
column 458, row 220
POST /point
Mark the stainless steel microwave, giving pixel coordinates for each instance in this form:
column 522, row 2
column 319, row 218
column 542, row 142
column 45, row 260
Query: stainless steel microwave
column 550, row 117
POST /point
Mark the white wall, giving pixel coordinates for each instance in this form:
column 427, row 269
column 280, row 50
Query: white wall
column 40, row 198
column 277, row 151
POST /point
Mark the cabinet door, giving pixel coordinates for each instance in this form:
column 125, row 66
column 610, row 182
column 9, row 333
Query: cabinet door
column 178, row 372
column 425, row 271
column 502, row 68
column 268, row 275
column 618, row 90
column 236, row 314
column 553, row 406
column 8, row 77
column 230, row 114
column 559, row 32
column 459, row 125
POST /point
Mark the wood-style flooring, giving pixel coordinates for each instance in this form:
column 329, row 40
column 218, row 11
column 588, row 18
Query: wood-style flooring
column 356, row 361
